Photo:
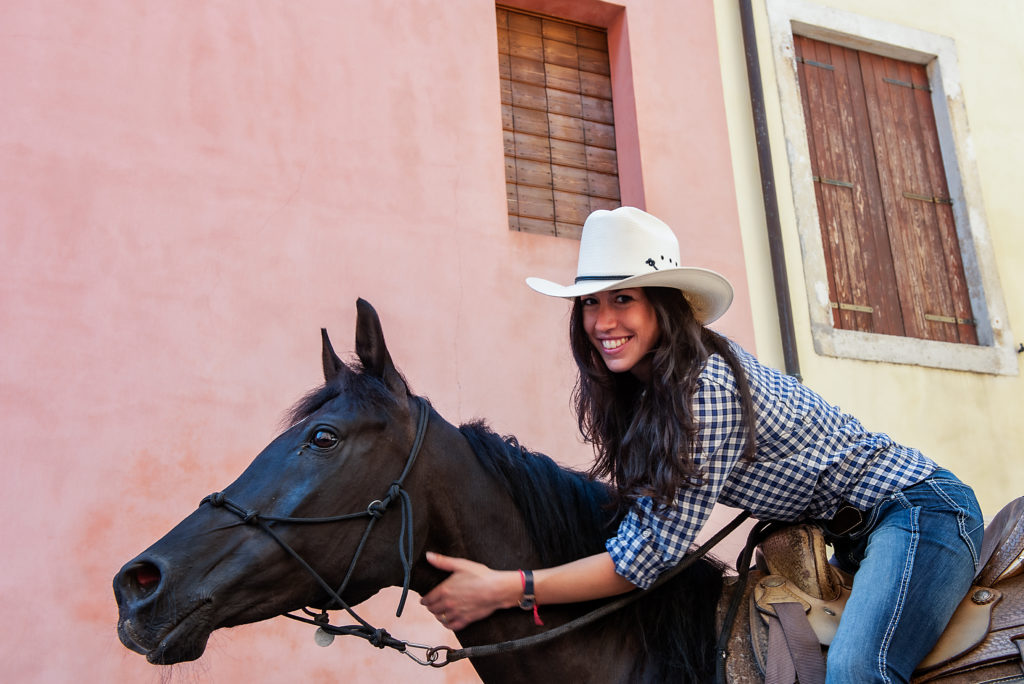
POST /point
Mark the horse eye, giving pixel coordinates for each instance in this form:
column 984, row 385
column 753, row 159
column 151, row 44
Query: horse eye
column 324, row 439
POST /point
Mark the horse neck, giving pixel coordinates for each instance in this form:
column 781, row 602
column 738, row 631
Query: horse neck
column 468, row 513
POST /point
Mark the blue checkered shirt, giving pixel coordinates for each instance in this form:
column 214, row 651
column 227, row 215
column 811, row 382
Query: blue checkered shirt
column 810, row 459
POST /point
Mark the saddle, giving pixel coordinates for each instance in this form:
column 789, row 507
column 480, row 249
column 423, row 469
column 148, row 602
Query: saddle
column 796, row 598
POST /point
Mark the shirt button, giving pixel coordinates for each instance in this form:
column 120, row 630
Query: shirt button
column 646, row 534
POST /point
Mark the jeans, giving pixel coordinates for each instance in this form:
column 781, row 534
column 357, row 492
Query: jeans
column 913, row 562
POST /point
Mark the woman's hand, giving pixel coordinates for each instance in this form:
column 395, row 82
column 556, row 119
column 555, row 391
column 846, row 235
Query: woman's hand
column 472, row 592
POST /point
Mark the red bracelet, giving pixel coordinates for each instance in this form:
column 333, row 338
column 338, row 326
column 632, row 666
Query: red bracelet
column 529, row 600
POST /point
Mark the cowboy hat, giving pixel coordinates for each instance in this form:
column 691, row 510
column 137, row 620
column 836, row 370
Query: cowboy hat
column 627, row 247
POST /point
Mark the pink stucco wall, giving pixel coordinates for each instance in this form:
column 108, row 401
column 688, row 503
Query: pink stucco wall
column 188, row 191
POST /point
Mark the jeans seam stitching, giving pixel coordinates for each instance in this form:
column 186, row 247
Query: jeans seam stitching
column 961, row 521
column 908, row 569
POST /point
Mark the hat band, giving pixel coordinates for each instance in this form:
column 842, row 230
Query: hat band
column 580, row 279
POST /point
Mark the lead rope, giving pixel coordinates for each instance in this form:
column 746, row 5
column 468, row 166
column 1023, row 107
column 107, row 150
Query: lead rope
column 755, row 536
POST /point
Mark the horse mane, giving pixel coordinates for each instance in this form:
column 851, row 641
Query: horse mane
column 366, row 391
column 569, row 516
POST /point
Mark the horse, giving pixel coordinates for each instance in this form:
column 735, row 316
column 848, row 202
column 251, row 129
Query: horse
column 283, row 538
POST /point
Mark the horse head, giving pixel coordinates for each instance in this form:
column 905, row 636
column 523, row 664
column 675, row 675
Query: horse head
column 235, row 559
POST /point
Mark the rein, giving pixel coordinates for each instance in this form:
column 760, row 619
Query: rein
column 452, row 654
column 380, row 637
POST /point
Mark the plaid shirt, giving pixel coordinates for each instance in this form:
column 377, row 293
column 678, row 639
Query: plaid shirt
column 810, row 459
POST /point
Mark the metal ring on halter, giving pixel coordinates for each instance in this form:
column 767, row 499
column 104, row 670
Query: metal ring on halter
column 433, row 653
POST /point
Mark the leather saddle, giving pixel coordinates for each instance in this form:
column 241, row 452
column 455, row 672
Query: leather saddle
column 797, row 598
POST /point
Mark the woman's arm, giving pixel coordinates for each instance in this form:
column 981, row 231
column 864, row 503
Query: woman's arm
column 474, row 591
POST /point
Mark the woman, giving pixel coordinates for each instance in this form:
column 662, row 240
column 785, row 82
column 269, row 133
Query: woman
column 681, row 418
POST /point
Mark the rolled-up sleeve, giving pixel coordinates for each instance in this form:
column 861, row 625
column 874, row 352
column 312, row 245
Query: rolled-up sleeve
column 651, row 538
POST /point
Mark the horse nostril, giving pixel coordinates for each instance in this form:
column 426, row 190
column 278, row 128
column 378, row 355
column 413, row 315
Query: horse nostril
column 141, row 578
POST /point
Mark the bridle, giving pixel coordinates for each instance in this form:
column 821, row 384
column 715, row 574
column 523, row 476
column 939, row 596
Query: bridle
column 374, row 511
column 380, row 637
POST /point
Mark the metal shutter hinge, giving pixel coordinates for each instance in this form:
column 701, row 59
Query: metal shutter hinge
column 928, row 198
column 842, row 306
column 820, row 65
column 950, row 319
column 905, row 84
column 832, row 181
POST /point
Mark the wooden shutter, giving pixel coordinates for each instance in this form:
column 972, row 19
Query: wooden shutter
column 556, row 103
column 895, row 265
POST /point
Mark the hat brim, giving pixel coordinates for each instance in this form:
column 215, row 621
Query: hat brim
column 708, row 292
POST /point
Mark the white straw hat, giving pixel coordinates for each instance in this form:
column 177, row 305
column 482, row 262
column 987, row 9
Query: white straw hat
column 627, row 247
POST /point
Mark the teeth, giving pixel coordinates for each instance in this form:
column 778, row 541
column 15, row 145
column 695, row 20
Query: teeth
column 614, row 344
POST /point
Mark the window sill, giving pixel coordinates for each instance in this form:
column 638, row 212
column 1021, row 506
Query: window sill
column 995, row 360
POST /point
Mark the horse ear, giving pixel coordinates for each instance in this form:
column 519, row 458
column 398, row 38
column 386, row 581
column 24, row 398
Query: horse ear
column 332, row 364
column 371, row 349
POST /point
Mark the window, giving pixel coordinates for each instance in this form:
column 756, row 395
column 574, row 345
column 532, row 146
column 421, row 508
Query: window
column 887, row 228
column 878, row 229
column 559, row 131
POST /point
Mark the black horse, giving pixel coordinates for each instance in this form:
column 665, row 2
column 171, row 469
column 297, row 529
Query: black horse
column 276, row 540
column 281, row 538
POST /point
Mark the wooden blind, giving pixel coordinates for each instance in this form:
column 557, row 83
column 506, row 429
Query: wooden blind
column 556, row 103
column 895, row 265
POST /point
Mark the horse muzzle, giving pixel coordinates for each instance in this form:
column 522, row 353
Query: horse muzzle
column 151, row 624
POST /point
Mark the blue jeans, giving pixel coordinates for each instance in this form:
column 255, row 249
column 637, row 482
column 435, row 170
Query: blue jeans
column 913, row 563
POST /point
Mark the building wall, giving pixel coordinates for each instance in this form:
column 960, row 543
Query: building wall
column 967, row 421
column 188, row 191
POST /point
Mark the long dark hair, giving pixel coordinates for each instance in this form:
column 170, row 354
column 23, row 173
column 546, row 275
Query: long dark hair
column 644, row 433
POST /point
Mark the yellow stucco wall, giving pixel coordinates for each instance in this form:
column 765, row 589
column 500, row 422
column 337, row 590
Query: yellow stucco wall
column 968, row 421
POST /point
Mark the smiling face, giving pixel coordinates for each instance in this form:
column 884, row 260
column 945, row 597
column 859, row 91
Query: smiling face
column 623, row 327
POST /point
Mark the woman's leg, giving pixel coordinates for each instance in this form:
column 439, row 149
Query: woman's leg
column 918, row 562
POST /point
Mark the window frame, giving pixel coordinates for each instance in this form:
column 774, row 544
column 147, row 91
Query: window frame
column 895, row 263
column 994, row 352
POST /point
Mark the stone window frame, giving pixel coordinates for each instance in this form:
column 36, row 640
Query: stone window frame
column 995, row 352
